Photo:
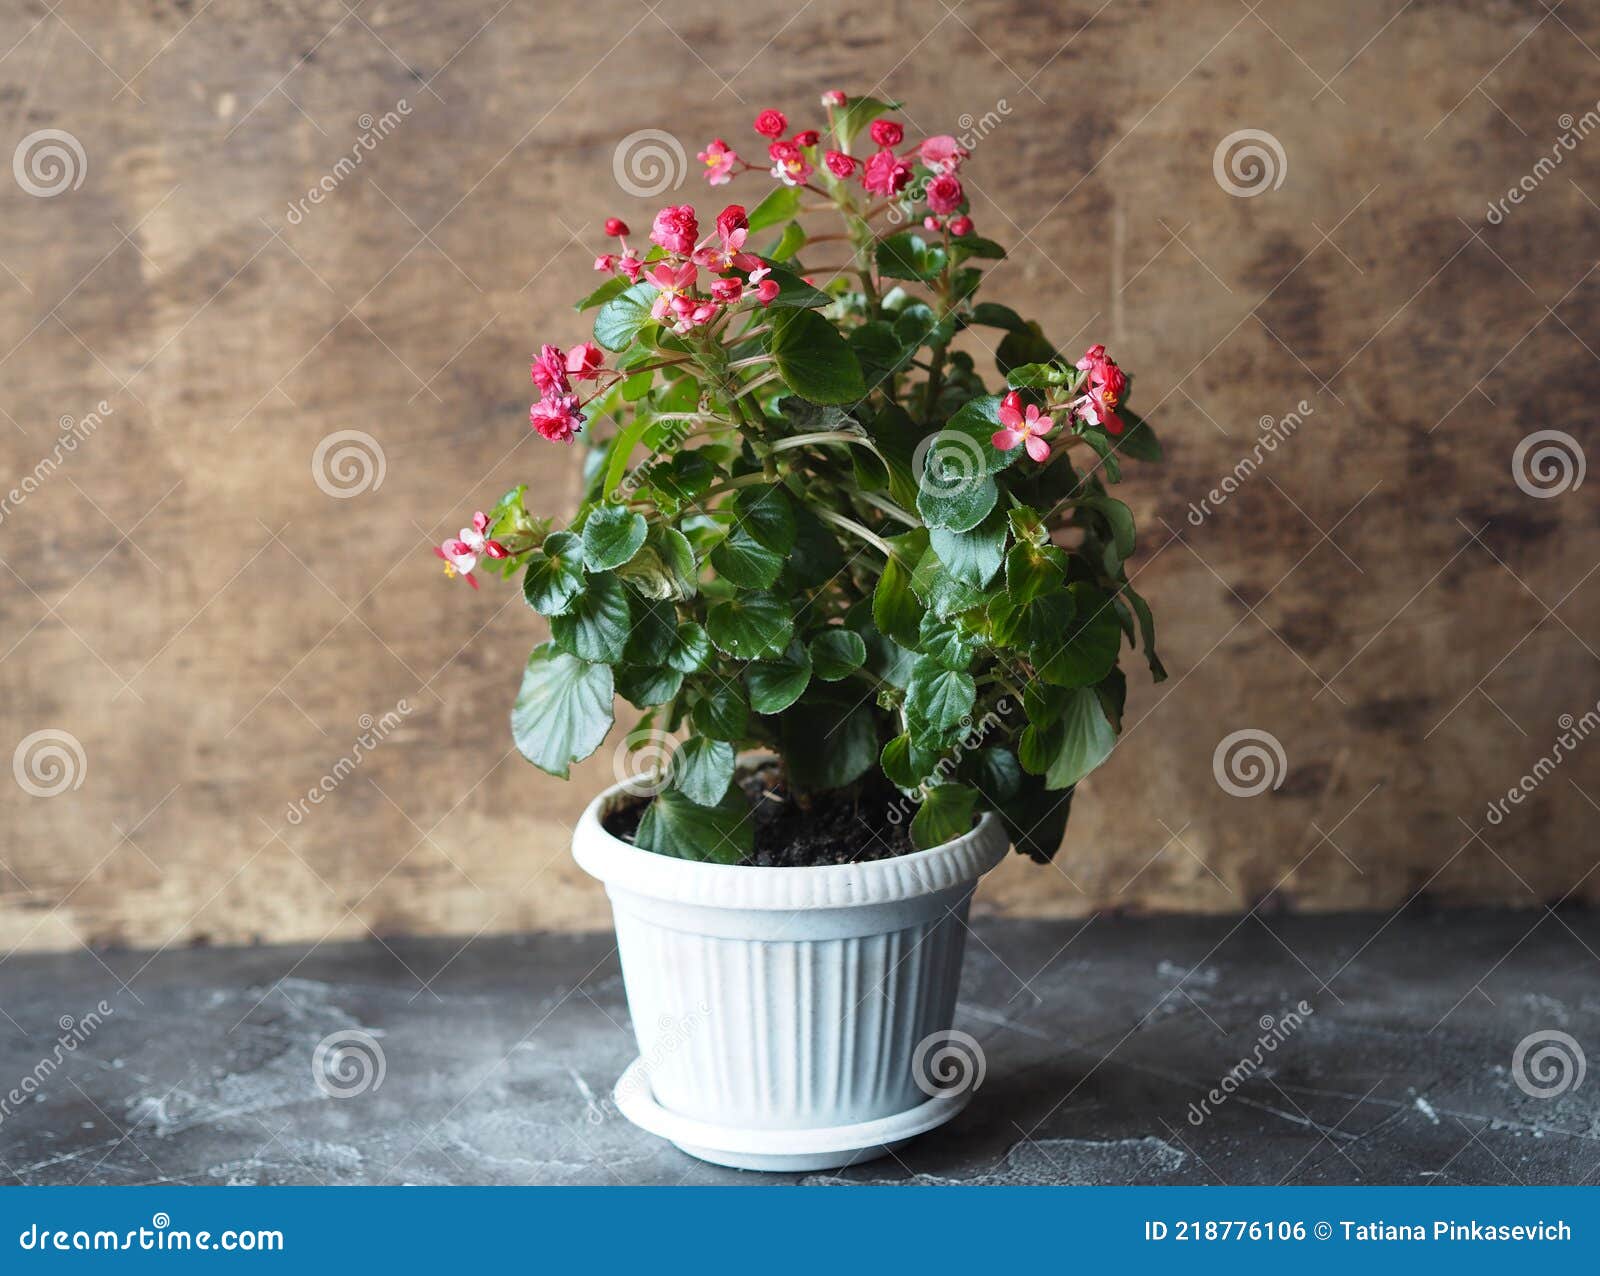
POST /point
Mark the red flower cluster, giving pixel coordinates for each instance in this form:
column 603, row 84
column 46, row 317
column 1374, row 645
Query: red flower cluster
column 556, row 415
column 887, row 173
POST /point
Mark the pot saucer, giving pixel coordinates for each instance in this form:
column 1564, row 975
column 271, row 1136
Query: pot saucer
column 822, row 1148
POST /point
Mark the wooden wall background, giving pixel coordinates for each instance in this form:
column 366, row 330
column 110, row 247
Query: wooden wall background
column 210, row 628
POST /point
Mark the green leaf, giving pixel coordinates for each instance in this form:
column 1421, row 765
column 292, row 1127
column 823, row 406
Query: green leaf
column 794, row 292
column 562, row 711
column 644, row 687
column 611, row 536
column 1147, row 633
column 665, row 568
column 940, row 590
column 1036, row 818
column 1081, row 652
column 722, row 712
column 554, row 574
column 837, row 653
column 816, row 557
column 965, row 246
column 654, row 632
column 750, row 625
column 991, row 314
column 879, row 352
column 1036, row 376
column 604, row 293
column 777, row 684
column 945, row 814
column 691, row 648
column 906, row 255
column 596, row 626
column 1118, row 516
column 828, row 738
column 1105, row 447
column 973, row 557
column 623, row 317
column 702, row 769
column 1137, row 439
column 954, row 490
column 1034, row 570
column 789, row 243
column 781, row 203
column 905, row 764
column 721, row 834
column 1073, row 742
column 943, row 642
column 1025, row 345
column 856, row 114
column 813, row 359
column 976, row 422
column 896, row 609
column 759, row 540
column 939, row 697
column 994, row 772
column 685, row 477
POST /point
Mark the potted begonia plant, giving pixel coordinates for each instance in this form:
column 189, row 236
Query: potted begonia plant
column 869, row 599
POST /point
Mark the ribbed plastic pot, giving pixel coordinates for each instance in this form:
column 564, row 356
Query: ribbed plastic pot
column 790, row 1001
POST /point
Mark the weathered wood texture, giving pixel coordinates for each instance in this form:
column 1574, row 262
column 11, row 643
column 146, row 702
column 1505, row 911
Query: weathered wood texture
column 185, row 602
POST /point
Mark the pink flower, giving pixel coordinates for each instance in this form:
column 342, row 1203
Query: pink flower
column 766, row 289
column 1104, row 387
column 885, row 173
column 944, row 193
column 675, row 229
column 674, row 283
column 729, row 255
column 772, row 123
column 834, row 97
column 727, row 291
column 616, row 226
column 556, row 417
column 943, row 154
column 1017, row 426
column 584, row 361
column 606, row 262
column 732, row 218
column 549, row 371
column 807, row 137
column 961, row 226
column 719, row 159
column 789, row 164
column 631, row 265
column 450, row 566
column 932, row 223
column 839, row 164
column 887, row 133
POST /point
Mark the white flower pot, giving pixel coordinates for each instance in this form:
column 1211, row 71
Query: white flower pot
column 792, row 1018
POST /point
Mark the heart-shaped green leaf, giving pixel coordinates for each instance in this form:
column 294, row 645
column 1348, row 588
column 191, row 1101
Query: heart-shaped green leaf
column 837, row 653
column 611, row 536
column 777, row 684
column 597, row 624
column 674, row 825
column 813, row 359
column 553, row 577
column 621, row 319
column 702, row 769
column 750, row 625
column 562, row 711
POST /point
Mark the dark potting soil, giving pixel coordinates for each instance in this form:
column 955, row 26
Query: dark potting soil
column 846, row 827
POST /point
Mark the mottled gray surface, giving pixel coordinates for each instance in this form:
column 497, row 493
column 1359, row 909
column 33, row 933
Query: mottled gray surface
column 498, row 1056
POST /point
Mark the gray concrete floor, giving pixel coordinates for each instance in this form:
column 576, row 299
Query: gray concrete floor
column 499, row 1054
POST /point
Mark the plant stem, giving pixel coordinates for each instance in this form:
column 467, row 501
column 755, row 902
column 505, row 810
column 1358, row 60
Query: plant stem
column 855, row 528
